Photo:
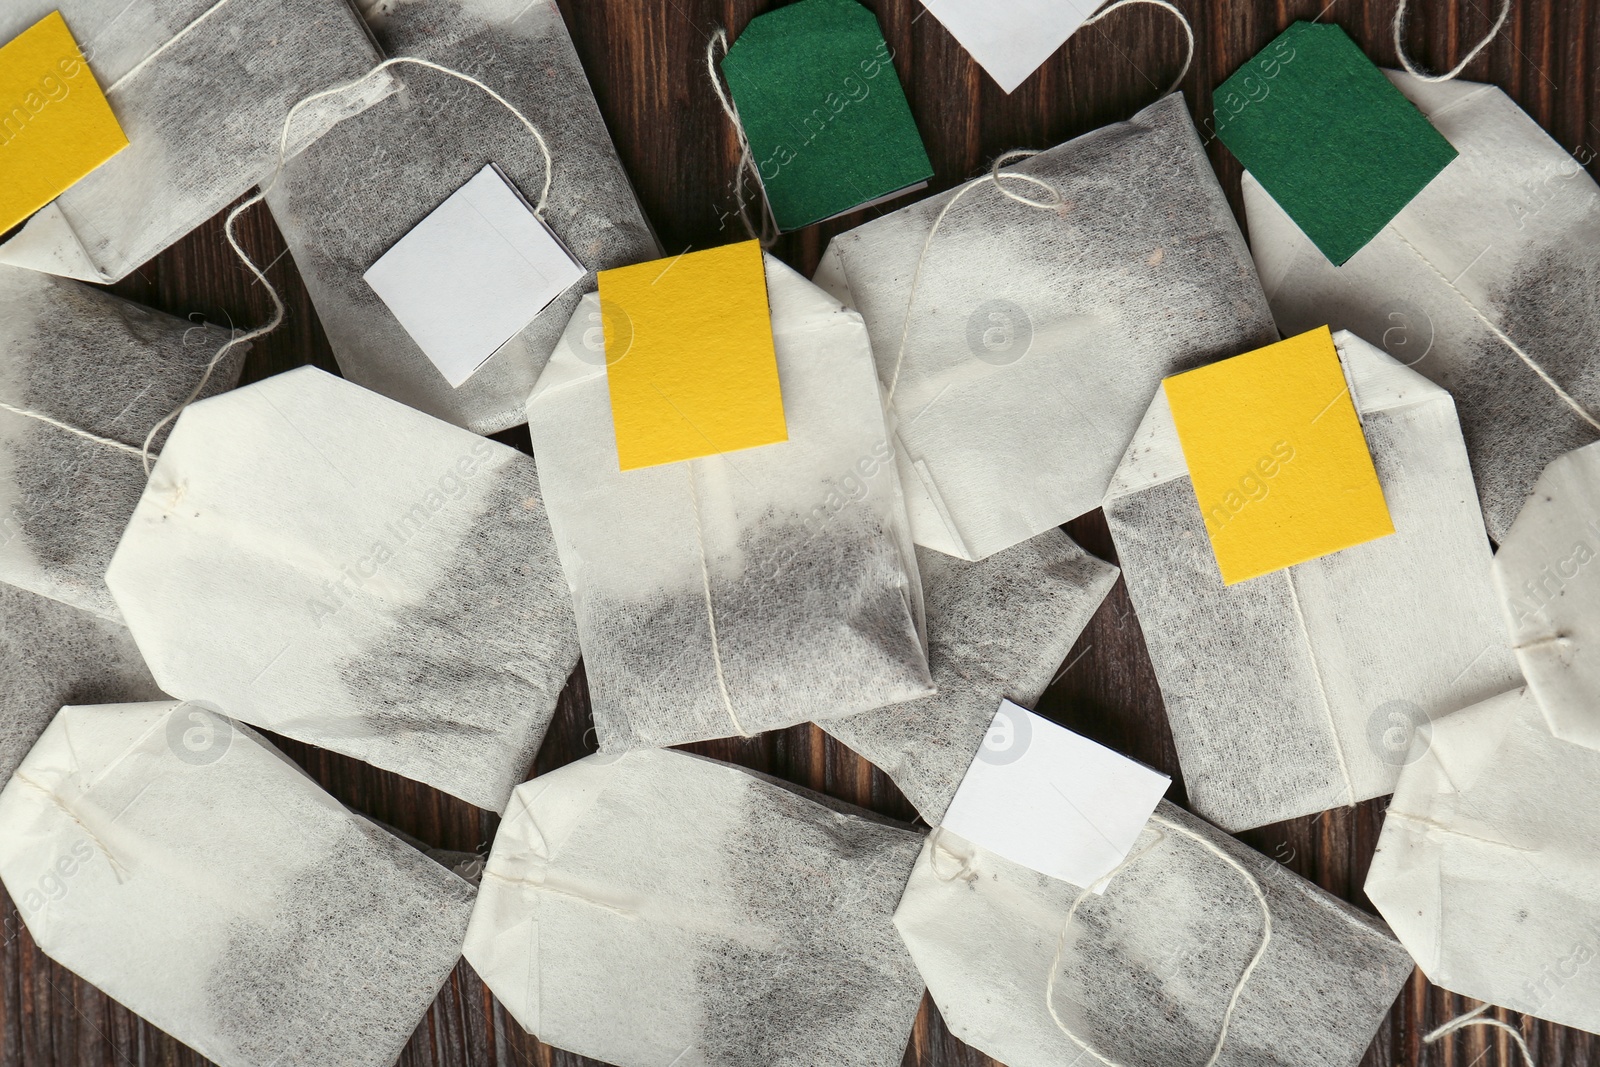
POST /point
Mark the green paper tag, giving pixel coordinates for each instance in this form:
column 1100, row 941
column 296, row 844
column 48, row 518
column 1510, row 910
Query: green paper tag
column 1328, row 136
column 827, row 120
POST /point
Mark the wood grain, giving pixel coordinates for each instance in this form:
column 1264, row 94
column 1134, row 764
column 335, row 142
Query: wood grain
column 646, row 61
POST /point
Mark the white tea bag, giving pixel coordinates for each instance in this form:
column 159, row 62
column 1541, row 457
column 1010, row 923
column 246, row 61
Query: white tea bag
column 744, row 591
column 1496, row 252
column 1036, row 337
column 84, row 377
column 1297, row 691
column 364, row 186
column 178, row 862
column 1550, row 594
column 52, row 655
column 325, row 563
column 202, row 89
column 1142, row 969
column 1488, row 867
column 657, row 908
column 997, row 629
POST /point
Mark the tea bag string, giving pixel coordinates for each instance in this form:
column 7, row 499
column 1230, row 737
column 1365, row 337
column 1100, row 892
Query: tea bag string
column 1055, row 203
column 768, row 236
column 1500, row 334
column 1474, row 1018
column 75, row 431
column 1405, row 60
column 711, row 611
column 1244, row 979
column 116, row 865
column 278, row 309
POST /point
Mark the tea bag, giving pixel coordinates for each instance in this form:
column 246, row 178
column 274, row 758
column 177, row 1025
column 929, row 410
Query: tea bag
column 325, row 563
column 181, row 864
column 84, row 377
column 997, row 629
column 1492, row 259
column 1548, row 594
column 428, row 140
column 1298, row 691
column 656, row 907
column 1022, row 341
column 202, row 89
column 771, row 585
column 1142, row 969
column 1488, row 867
column 52, row 655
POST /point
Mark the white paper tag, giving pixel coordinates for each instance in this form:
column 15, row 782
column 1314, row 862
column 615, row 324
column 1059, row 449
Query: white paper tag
column 473, row 274
column 1011, row 40
column 1042, row 796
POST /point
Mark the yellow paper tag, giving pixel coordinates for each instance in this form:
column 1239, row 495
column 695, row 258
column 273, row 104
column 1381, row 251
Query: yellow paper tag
column 689, row 356
column 1279, row 463
column 55, row 124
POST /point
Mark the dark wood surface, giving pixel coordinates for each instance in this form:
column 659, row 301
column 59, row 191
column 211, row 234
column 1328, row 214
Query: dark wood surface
column 645, row 59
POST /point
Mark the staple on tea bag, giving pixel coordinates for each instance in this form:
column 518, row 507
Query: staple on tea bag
column 1198, row 947
column 1488, row 866
column 336, row 567
column 1549, row 595
column 1368, row 644
column 52, row 655
column 772, row 585
column 999, row 628
column 201, row 89
column 1093, row 269
column 751, row 918
column 1482, row 283
column 287, row 929
column 431, row 138
column 87, row 382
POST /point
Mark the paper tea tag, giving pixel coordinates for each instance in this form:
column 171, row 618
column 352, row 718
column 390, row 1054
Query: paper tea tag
column 1013, row 39
column 55, row 123
column 472, row 274
column 1280, row 467
column 822, row 106
column 1338, row 147
column 689, row 356
column 1057, row 803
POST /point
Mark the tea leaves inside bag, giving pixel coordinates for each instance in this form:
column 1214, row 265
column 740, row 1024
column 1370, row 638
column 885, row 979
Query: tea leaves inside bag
column 347, row 199
column 102, row 366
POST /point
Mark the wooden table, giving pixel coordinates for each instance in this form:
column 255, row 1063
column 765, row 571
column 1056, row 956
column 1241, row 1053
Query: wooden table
column 646, row 59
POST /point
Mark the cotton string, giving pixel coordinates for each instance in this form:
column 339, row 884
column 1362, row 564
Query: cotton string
column 1405, row 60
column 1188, row 30
column 1054, row 204
column 711, row 612
column 934, row 845
column 1472, row 1019
column 283, row 149
column 1238, row 990
column 174, row 39
column 58, row 424
column 747, row 160
column 1533, row 364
